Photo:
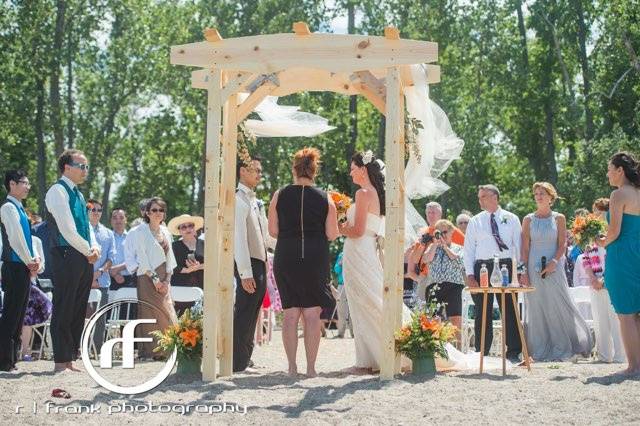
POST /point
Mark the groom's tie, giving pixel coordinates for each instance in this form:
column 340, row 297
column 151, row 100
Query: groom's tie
column 496, row 233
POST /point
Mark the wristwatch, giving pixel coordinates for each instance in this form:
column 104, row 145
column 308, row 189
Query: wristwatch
column 522, row 268
column 101, row 270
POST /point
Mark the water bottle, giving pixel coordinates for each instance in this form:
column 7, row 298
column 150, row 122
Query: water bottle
column 505, row 276
column 484, row 276
column 496, row 276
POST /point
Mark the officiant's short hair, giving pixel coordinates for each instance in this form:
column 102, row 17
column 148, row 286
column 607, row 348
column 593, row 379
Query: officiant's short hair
column 491, row 188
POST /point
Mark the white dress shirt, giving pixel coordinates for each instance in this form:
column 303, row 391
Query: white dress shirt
column 10, row 218
column 38, row 251
column 241, row 251
column 57, row 201
column 148, row 252
column 479, row 242
column 130, row 260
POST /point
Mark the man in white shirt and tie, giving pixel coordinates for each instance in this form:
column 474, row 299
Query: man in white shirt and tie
column 73, row 251
column 19, row 261
column 250, row 255
column 493, row 231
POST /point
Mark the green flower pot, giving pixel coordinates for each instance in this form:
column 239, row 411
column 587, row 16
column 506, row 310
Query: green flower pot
column 424, row 365
column 189, row 365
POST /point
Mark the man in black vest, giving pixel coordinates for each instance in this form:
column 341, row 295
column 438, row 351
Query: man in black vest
column 73, row 251
column 18, row 264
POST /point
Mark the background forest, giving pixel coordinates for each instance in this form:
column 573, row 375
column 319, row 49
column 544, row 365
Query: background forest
column 538, row 90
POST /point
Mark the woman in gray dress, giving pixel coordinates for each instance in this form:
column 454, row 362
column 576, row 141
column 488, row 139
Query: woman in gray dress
column 554, row 328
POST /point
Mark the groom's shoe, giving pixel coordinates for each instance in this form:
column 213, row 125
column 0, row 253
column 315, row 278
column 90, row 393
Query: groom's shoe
column 514, row 358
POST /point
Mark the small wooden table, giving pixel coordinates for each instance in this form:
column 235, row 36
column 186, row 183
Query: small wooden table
column 502, row 291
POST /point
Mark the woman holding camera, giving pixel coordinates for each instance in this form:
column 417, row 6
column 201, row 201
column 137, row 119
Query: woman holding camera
column 554, row 329
column 446, row 273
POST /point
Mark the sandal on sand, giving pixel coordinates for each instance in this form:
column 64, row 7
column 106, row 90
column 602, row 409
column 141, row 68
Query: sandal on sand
column 60, row 393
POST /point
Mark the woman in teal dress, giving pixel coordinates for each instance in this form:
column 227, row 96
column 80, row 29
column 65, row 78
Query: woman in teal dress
column 622, row 270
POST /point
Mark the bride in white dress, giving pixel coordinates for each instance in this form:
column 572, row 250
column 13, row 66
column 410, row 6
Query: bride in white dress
column 361, row 267
column 363, row 273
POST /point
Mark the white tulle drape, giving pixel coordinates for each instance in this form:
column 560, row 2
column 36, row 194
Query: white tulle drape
column 283, row 120
column 438, row 144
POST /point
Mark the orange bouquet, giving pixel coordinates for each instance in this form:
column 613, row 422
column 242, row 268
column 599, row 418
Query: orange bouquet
column 586, row 229
column 342, row 202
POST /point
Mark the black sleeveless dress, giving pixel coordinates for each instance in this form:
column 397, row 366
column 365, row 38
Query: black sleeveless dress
column 301, row 262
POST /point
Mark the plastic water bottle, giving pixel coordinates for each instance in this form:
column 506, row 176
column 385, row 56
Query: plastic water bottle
column 505, row 276
column 484, row 276
column 496, row 276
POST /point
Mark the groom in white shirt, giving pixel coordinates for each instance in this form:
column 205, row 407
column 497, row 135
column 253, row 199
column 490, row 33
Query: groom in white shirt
column 250, row 255
column 493, row 231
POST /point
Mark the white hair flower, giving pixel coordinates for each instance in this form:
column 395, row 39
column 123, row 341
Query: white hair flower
column 367, row 157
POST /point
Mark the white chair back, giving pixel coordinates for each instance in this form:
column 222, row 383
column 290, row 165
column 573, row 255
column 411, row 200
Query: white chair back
column 94, row 296
column 121, row 294
column 186, row 294
column 581, row 296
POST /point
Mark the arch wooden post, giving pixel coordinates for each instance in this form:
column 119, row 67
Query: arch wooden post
column 394, row 229
column 227, row 209
column 212, row 228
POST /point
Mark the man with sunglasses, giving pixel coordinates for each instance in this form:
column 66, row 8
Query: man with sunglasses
column 73, row 251
column 19, row 262
column 101, row 278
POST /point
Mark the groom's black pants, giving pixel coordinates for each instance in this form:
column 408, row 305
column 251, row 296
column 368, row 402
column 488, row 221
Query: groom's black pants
column 245, row 314
column 16, row 283
column 514, row 347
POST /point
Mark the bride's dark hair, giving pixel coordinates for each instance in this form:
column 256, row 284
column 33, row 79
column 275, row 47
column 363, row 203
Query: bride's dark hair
column 374, row 171
column 630, row 166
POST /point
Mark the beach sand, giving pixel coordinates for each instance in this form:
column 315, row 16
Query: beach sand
column 552, row 393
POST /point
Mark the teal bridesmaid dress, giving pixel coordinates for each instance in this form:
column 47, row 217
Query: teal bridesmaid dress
column 622, row 267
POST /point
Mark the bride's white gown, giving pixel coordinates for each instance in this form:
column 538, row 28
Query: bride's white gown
column 363, row 281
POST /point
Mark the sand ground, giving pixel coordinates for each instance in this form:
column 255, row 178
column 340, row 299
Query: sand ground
column 552, row 393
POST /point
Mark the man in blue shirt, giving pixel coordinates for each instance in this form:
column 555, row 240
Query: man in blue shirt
column 120, row 276
column 101, row 278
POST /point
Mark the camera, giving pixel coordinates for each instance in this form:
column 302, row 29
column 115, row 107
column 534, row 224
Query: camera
column 426, row 238
column 437, row 235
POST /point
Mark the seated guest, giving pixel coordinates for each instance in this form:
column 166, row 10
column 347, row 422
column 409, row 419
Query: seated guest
column 189, row 254
column 446, row 273
column 152, row 249
column 462, row 221
column 433, row 213
column 39, row 306
column 589, row 271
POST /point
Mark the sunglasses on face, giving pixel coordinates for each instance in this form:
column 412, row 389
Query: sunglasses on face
column 186, row 226
column 81, row 166
column 155, row 210
column 94, row 210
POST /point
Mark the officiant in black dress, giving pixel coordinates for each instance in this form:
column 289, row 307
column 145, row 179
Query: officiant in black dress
column 303, row 219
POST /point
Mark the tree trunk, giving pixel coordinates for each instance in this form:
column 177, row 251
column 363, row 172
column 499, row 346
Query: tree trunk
column 105, row 196
column 382, row 129
column 584, row 64
column 70, row 102
column 350, row 148
column 41, row 150
column 54, row 82
column 523, row 37
column 550, row 149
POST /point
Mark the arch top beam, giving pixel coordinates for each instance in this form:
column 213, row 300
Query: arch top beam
column 332, row 52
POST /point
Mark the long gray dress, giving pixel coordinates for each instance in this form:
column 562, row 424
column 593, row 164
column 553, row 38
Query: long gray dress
column 554, row 328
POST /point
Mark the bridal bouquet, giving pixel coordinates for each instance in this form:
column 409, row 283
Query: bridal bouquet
column 425, row 336
column 342, row 202
column 587, row 228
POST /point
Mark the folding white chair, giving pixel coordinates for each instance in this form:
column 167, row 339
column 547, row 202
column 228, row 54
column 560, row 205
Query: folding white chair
column 114, row 323
column 581, row 296
column 186, row 294
column 94, row 297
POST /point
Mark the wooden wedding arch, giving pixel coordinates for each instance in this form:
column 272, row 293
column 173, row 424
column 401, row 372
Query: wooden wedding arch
column 281, row 64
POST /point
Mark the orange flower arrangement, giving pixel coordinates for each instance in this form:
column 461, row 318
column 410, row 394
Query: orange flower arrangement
column 185, row 336
column 587, row 228
column 425, row 335
column 342, row 202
